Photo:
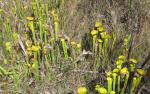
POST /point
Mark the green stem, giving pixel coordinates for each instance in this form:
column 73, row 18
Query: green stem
column 64, row 46
column 41, row 24
column 114, row 81
column 94, row 43
column 31, row 26
column 138, row 81
column 56, row 29
column 109, row 81
column 133, row 85
column 125, row 84
column 118, row 83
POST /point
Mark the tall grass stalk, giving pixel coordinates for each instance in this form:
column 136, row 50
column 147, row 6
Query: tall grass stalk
column 31, row 27
column 125, row 84
column 109, row 82
column 133, row 85
column 114, row 81
column 64, row 46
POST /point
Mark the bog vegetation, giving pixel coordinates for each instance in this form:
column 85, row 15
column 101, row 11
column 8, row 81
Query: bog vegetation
column 42, row 53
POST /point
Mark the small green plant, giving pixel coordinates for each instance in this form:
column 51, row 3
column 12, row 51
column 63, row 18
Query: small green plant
column 121, row 75
column 118, row 78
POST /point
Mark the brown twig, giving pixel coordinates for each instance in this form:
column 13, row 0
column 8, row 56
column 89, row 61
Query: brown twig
column 146, row 60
